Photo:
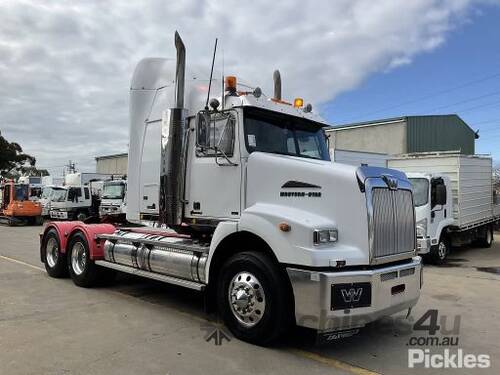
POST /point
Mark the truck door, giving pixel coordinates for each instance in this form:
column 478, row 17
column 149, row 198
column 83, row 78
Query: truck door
column 440, row 209
column 214, row 169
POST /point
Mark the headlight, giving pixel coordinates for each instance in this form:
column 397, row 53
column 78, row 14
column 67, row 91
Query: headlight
column 422, row 228
column 324, row 236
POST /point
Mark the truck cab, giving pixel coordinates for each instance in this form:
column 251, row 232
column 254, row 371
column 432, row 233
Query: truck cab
column 433, row 207
column 71, row 203
column 114, row 198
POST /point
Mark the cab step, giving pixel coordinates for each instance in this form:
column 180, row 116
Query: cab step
column 151, row 275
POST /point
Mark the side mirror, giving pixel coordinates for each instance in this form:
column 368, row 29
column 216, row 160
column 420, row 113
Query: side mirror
column 440, row 195
column 203, row 129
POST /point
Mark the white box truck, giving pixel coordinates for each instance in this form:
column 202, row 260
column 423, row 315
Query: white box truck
column 454, row 200
column 252, row 212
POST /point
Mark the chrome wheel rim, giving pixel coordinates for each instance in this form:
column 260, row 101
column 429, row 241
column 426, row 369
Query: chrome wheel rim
column 78, row 258
column 52, row 252
column 442, row 250
column 246, row 298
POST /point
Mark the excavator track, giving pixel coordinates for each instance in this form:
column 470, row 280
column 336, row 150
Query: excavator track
column 11, row 221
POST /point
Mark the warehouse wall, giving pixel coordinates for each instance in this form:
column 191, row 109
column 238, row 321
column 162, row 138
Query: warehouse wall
column 112, row 165
column 439, row 133
column 385, row 138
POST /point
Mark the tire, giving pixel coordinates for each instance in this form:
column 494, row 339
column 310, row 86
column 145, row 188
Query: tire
column 439, row 253
column 55, row 261
column 486, row 240
column 253, row 298
column 81, row 216
column 82, row 269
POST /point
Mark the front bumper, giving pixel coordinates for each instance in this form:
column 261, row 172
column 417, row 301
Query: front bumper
column 109, row 210
column 313, row 295
column 61, row 215
column 423, row 245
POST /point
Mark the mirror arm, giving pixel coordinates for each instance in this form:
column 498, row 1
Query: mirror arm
column 230, row 163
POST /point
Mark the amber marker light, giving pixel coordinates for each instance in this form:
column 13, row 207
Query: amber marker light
column 230, row 83
column 298, row 102
column 285, row 227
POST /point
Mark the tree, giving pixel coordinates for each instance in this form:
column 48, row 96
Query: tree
column 14, row 162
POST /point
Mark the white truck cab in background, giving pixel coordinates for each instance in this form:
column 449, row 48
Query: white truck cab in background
column 79, row 198
column 114, row 198
column 454, row 200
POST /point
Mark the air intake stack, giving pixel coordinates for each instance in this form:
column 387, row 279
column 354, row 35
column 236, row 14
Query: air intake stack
column 277, row 85
column 173, row 148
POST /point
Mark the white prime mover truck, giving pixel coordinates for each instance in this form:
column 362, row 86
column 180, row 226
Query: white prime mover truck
column 252, row 212
column 79, row 198
column 455, row 203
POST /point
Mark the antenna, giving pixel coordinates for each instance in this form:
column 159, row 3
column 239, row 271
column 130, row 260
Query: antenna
column 223, row 97
column 211, row 74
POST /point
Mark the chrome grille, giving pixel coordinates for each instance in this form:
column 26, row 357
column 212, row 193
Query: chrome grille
column 393, row 222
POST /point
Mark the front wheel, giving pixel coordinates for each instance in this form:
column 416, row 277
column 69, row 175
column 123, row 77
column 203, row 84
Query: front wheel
column 253, row 298
column 439, row 253
column 81, row 216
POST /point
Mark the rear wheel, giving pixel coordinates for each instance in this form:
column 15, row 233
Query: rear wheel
column 439, row 252
column 55, row 261
column 82, row 269
column 252, row 298
column 486, row 239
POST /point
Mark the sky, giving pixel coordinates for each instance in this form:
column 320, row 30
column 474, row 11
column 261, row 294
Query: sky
column 65, row 67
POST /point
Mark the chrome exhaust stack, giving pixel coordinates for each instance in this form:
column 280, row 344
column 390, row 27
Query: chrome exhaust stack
column 173, row 148
column 277, row 84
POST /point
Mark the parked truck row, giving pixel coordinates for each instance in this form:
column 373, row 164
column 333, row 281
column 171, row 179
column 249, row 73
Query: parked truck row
column 77, row 196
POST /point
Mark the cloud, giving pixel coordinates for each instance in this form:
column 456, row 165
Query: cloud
column 65, row 67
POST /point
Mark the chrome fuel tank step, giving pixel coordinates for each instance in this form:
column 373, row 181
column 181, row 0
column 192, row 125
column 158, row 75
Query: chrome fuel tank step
column 177, row 257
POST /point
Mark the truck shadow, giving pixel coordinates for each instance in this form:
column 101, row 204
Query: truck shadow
column 191, row 302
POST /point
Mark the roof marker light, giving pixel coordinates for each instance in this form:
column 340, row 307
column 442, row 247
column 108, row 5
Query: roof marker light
column 298, row 102
column 230, row 83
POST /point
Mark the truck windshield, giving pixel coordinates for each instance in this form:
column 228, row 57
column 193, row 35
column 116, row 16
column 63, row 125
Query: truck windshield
column 420, row 191
column 278, row 133
column 21, row 193
column 113, row 191
column 46, row 192
column 58, row 195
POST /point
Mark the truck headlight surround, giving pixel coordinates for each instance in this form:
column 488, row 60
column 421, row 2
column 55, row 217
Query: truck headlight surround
column 324, row 236
column 421, row 227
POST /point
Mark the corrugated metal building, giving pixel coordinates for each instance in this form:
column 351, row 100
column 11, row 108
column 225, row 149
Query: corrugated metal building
column 402, row 135
column 112, row 164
